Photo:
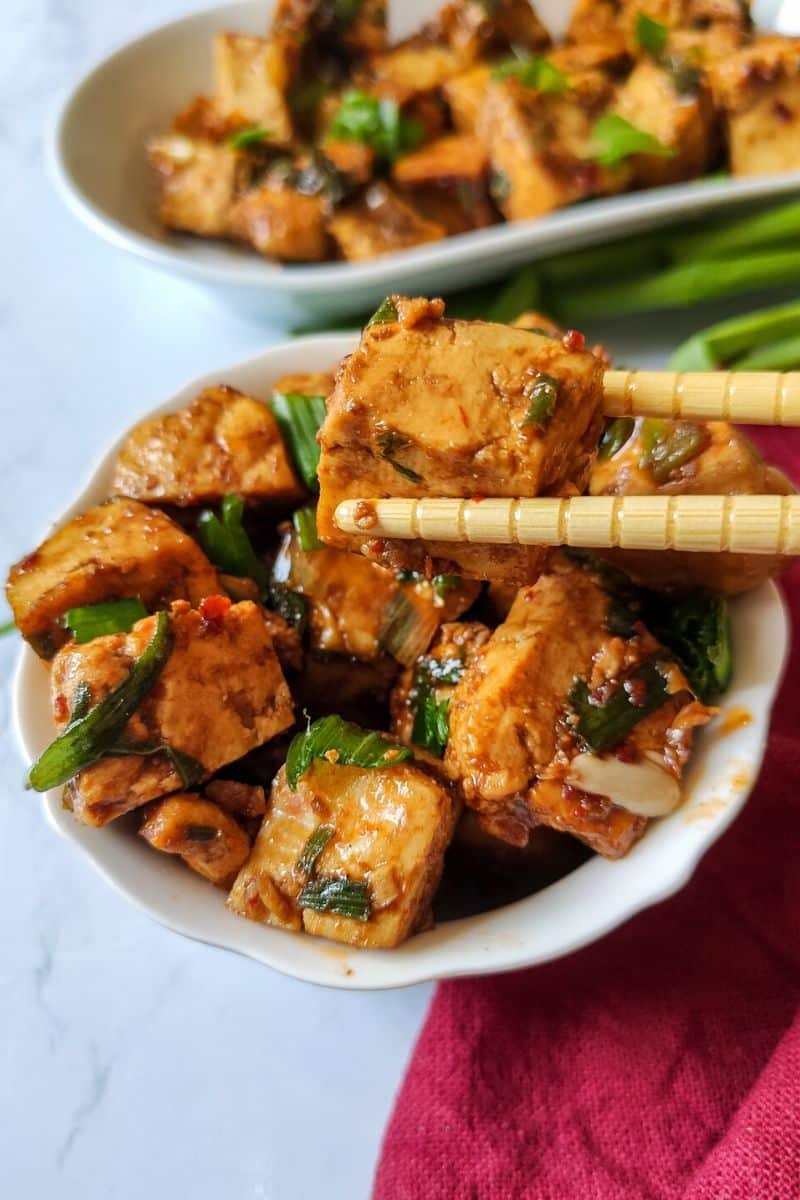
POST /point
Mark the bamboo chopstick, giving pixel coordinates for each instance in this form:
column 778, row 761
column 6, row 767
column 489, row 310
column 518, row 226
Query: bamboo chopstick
column 756, row 398
column 743, row 524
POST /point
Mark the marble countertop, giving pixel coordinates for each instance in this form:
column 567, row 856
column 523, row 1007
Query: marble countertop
column 134, row 1059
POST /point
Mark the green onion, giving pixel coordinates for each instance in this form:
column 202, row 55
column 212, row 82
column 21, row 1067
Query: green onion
column 299, row 418
column 783, row 355
column 618, row 140
column 81, row 701
column 389, row 443
column 9, row 627
column 615, row 435
column 313, row 848
column 731, row 342
column 305, row 523
column 339, row 741
column 188, row 769
column 292, row 606
column 384, row 314
column 96, row 620
column 86, row 739
column 778, row 225
column 522, row 293
column 602, row 725
column 543, row 397
column 377, row 123
column 696, row 629
column 431, row 727
column 200, row 833
column 408, row 628
column 226, row 543
column 442, row 584
column 532, row 72
column 651, row 35
column 244, row 138
column 345, row 897
column 667, row 451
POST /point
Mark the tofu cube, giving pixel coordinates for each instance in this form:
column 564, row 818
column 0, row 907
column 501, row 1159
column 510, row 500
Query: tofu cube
column 380, row 222
column 208, row 840
column 222, row 442
column 759, row 91
column 595, row 35
column 473, row 28
column 281, row 223
column 465, row 94
column 220, row 694
column 432, row 407
column 252, row 77
column 199, row 181
column 354, row 159
column 117, row 551
column 455, row 167
column 412, row 67
column 514, row 745
column 391, row 827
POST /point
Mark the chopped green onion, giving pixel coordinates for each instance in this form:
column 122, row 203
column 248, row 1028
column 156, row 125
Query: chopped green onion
column 618, row 139
column 299, row 418
column 732, row 343
column 226, row 543
column 86, row 739
column 389, row 443
column 696, row 629
column 783, row 355
column 442, row 584
column 384, row 314
column 377, row 123
column 243, row 139
column 408, row 628
column 339, row 741
column 316, row 843
column 345, row 897
column 305, row 523
column 188, row 769
column 533, row 72
column 9, row 627
column 667, row 451
column 615, row 435
column 651, row 35
column 200, row 833
column 81, row 701
column 431, row 727
column 777, row 225
column 292, row 606
column 543, row 398
column 602, row 725
column 522, row 293
column 96, row 620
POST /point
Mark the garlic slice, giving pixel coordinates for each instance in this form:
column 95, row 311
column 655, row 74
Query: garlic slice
column 642, row 787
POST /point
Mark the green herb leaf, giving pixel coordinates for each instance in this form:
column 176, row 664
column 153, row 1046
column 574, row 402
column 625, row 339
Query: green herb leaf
column 188, row 769
column 87, row 739
column 651, row 35
column 618, row 139
column 696, row 629
column 615, row 435
column 442, row 584
column 431, row 727
column 96, row 620
column 9, row 627
column 390, row 442
column 670, row 449
column 313, row 848
column 299, row 418
column 543, row 397
column 384, row 314
column 226, row 543
column 604, row 724
column 305, row 523
column 345, row 897
column 243, row 139
column 532, row 72
column 343, row 743
column 292, row 606
column 377, row 123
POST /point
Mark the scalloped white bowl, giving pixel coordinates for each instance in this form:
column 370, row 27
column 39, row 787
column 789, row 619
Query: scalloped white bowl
column 97, row 159
column 576, row 910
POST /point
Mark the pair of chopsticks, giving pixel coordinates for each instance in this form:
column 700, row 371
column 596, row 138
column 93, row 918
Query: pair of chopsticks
column 741, row 524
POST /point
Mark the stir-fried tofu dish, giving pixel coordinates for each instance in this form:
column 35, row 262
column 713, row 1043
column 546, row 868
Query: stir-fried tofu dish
column 320, row 140
column 341, row 731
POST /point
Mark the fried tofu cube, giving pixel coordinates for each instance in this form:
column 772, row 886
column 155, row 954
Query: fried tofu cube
column 354, row 159
column 515, row 743
column 220, row 694
column 516, row 414
column 208, row 840
column 200, row 181
column 380, row 222
column 410, row 68
column 222, row 442
column 252, row 76
column 679, row 458
column 280, row 222
column 117, row 551
column 689, row 15
column 355, row 28
column 243, row 799
column 455, row 166
column 597, row 23
column 473, row 28
column 672, row 103
column 759, row 91
column 390, row 828
column 465, row 94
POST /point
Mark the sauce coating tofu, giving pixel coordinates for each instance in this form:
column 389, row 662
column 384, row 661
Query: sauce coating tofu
column 725, row 463
column 208, row 840
column 252, row 76
column 473, row 28
column 759, row 90
column 434, row 407
column 220, row 694
column 119, row 550
column 222, row 442
column 455, row 167
column 281, row 223
column 514, row 745
column 200, row 181
column 380, row 222
column 391, row 827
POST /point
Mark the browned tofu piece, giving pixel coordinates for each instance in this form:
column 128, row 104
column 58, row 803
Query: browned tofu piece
column 280, row 222
column 357, row 28
column 759, row 91
column 360, row 609
column 711, row 460
column 673, row 103
column 252, row 76
column 597, row 23
column 380, row 222
column 207, row 839
column 390, row 828
column 361, row 27
column 354, row 159
column 200, row 181
column 473, row 28
column 690, row 15
column 243, row 799
column 201, row 119
column 222, row 442
column 455, row 167
column 516, row 414
column 515, row 744
column 414, row 66
column 465, row 94
column 119, row 550
column 220, row 694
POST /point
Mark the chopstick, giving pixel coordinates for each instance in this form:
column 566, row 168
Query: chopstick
column 741, row 524
column 755, row 398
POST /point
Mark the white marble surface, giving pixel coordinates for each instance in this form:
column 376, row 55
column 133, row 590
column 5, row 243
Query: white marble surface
column 134, row 1061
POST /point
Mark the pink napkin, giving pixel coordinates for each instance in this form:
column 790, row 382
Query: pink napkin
column 662, row 1062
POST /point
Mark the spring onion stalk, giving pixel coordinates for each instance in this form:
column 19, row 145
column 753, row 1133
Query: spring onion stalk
column 299, row 418
column 775, row 356
column 9, row 627
column 630, row 256
column 96, row 620
column 188, row 769
column 673, row 448
column 87, row 738
column 345, row 897
column 543, row 399
column 615, row 435
column 728, row 342
column 243, row 139
column 617, row 140
column 305, row 524
column 431, row 727
column 604, row 724
column 532, row 72
column 522, row 293
column 343, row 743
column 384, row 314
column 651, row 35
column 316, row 843
column 774, row 226
column 226, row 543
column 409, row 626
column 442, row 584
column 377, row 123
column 696, row 629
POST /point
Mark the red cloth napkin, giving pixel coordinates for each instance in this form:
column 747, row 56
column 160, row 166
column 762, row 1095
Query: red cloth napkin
column 661, row 1063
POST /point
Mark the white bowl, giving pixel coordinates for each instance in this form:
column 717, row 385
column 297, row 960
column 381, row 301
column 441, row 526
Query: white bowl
column 572, row 912
column 96, row 153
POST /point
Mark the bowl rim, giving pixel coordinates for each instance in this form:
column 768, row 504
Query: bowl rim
column 376, row 969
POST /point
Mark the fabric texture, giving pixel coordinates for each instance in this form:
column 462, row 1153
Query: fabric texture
column 661, row 1063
